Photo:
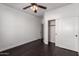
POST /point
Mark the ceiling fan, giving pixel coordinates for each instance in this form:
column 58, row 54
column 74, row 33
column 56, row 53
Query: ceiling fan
column 34, row 7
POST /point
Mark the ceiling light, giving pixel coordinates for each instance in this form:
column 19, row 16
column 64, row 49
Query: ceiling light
column 34, row 8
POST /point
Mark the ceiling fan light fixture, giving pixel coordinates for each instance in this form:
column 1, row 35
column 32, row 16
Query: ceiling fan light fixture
column 34, row 8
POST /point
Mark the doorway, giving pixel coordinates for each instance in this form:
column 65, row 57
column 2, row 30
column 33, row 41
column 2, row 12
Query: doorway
column 51, row 31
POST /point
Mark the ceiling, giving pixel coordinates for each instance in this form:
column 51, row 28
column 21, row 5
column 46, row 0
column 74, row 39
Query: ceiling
column 40, row 11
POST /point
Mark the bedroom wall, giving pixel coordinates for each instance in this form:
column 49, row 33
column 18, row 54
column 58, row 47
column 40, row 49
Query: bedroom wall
column 64, row 16
column 17, row 28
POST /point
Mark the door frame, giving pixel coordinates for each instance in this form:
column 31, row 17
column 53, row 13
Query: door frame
column 42, row 32
column 49, row 30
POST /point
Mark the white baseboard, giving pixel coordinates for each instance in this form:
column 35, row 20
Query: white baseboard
column 46, row 42
column 10, row 47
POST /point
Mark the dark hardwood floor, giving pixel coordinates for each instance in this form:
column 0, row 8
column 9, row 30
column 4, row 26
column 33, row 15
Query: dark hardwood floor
column 37, row 48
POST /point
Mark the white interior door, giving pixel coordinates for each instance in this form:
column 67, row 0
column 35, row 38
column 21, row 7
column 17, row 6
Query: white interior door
column 67, row 33
column 52, row 31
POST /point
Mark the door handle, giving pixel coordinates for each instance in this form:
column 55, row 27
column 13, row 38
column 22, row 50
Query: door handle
column 76, row 35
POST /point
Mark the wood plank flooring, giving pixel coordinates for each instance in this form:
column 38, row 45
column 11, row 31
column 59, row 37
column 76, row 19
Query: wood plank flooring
column 38, row 48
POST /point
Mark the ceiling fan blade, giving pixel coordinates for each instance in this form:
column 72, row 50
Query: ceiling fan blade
column 27, row 7
column 42, row 7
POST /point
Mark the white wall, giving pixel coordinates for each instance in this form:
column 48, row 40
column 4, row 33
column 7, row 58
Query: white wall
column 17, row 28
column 60, row 15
